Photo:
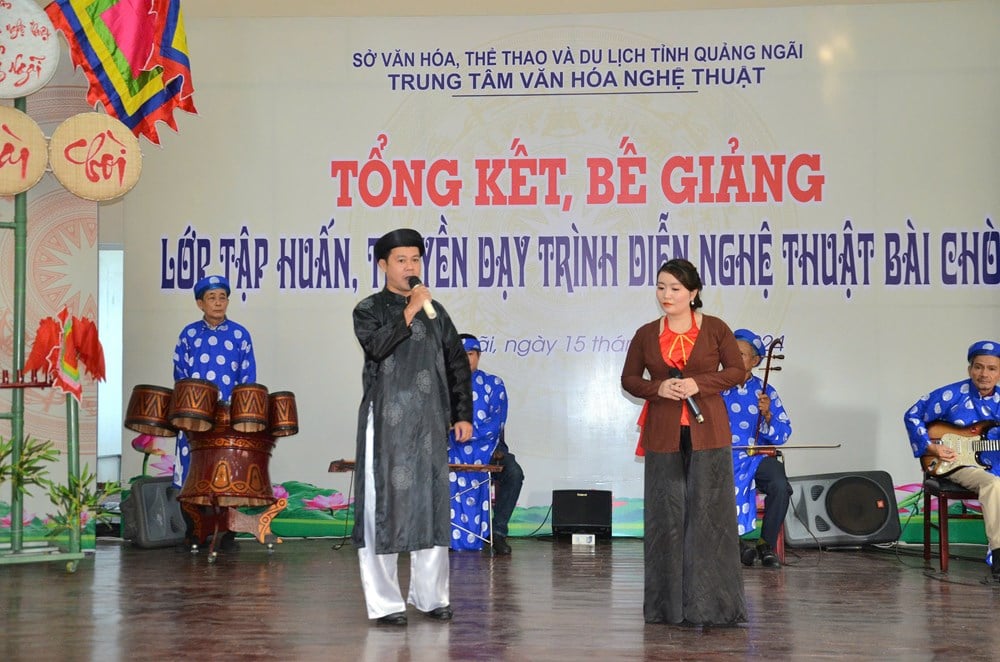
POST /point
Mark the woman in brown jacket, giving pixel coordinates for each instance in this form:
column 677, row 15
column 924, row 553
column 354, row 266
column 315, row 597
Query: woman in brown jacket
column 692, row 568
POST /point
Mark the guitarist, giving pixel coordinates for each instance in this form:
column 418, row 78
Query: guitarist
column 970, row 401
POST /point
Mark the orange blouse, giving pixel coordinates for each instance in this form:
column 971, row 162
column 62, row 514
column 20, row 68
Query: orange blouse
column 676, row 348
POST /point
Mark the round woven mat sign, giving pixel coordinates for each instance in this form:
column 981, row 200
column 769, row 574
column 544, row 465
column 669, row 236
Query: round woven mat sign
column 95, row 156
column 22, row 151
column 29, row 48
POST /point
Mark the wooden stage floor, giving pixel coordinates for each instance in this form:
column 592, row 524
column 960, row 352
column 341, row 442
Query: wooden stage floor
column 550, row 600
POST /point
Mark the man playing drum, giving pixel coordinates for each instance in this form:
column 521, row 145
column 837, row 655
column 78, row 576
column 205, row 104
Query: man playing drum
column 215, row 349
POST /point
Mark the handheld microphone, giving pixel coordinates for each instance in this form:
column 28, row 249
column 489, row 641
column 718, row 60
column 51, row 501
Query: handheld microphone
column 428, row 307
column 692, row 405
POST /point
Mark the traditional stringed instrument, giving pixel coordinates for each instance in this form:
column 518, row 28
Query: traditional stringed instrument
column 776, row 343
column 773, row 449
column 968, row 442
column 344, row 466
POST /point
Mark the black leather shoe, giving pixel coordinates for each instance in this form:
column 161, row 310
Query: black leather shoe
column 747, row 554
column 399, row 618
column 768, row 558
column 500, row 546
column 441, row 613
column 995, row 565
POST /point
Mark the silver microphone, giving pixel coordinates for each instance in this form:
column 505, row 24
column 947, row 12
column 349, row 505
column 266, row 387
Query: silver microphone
column 428, row 306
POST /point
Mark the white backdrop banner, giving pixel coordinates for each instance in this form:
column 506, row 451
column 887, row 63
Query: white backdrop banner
column 832, row 171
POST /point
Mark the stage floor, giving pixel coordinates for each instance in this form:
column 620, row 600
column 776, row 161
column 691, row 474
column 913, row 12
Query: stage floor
column 550, row 600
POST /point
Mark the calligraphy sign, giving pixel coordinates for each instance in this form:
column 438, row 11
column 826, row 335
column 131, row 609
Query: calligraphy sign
column 29, row 49
column 95, row 156
column 22, row 152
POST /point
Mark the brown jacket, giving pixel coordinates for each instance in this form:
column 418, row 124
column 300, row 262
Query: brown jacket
column 715, row 346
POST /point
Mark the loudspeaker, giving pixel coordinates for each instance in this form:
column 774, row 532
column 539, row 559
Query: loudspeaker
column 843, row 509
column 581, row 511
column 151, row 515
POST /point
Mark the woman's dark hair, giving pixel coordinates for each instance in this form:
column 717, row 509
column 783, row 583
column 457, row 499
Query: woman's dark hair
column 687, row 274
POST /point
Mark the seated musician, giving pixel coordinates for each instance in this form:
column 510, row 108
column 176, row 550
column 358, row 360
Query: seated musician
column 470, row 490
column 757, row 417
column 216, row 349
column 972, row 404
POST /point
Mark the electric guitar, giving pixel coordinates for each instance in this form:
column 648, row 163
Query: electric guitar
column 968, row 442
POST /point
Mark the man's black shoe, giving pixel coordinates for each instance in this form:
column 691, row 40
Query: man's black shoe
column 747, row 553
column 500, row 546
column 995, row 564
column 441, row 613
column 767, row 556
column 399, row 618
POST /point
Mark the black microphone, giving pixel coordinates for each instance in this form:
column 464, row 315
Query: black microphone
column 428, row 307
column 692, row 405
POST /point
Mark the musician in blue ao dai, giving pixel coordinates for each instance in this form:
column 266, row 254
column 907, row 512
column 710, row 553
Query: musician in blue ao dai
column 961, row 404
column 971, row 401
column 470, row 490
column 215, row 349
column 751, row 411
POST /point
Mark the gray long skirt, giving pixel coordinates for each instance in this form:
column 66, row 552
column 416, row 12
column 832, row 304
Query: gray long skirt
column 691, row 543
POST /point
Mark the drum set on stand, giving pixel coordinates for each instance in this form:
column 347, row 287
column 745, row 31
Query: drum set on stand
column 230, row 445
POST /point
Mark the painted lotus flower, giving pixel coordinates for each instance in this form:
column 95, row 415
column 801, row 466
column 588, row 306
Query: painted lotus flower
column 913, row 502
column 26, row 519
column 164, row 465
column 146, row 443
column 327, row 502
column 85, row 517
column 279, row 492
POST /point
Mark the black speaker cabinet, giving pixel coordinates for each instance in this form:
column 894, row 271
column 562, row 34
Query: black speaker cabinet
column 842, row 509
column 151, row 515
column 581, row 511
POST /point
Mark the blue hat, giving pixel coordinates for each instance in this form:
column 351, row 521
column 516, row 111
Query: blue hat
column 210, row 283
column 472, row 345
column 984, row 348
column 746, row 335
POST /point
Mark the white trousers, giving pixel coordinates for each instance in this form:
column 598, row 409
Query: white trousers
column 379, row 572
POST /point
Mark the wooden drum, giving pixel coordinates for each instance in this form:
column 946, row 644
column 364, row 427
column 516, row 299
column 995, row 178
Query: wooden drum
column 228, row 467
column 283, row 416
column 192, row 407
column 147, row 411
column 248, row 411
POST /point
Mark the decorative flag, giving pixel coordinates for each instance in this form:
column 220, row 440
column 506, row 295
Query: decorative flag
column 88, row 347
column 67, row 375
column 134, row 54
column 59, row 348
column 47, row 337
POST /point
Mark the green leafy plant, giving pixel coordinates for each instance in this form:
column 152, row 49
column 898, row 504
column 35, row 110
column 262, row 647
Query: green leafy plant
column 80, row 496
column 31, row 468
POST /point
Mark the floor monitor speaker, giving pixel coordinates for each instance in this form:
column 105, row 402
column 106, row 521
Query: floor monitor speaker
column 151, row 515
column 842, row 509
column 581, row 511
